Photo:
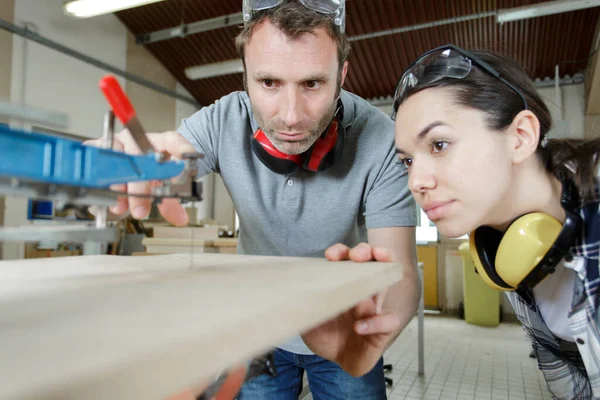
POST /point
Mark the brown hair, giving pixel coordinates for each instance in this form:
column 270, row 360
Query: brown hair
column 575, row 159
column 294, row 20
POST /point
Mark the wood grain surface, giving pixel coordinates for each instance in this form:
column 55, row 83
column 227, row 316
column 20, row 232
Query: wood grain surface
column 110, row 327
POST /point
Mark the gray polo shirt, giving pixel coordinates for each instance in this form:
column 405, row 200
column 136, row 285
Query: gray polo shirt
column 304, row 213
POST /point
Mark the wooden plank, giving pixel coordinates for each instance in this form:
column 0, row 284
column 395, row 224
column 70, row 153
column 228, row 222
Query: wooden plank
column 187, row 232
column 177, row 241
column 226, row 242
column 109, row 327
column 175, row 245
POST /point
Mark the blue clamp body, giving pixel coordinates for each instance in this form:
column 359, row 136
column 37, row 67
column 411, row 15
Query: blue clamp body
column 42, row 158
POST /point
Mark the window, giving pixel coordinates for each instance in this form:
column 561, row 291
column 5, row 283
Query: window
column 426, row 230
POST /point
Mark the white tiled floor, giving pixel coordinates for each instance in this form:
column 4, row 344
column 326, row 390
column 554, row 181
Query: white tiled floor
column 464, row 361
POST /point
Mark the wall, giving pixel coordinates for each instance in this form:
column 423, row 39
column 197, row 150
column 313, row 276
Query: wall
column 156, row 112
column 568, row 117
column 7, row 11
column 592, row 126
column 51, row 80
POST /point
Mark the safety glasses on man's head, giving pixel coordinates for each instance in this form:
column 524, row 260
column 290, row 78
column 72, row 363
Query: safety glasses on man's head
column 334, row 8
column 447, row 61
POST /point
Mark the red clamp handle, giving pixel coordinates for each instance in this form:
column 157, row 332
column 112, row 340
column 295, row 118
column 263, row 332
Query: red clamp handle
column 117, row 99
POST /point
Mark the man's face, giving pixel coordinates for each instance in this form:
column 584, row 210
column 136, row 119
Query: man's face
column 292, row 85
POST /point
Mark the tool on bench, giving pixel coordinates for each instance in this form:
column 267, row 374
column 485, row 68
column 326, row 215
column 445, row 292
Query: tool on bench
column 69, row 173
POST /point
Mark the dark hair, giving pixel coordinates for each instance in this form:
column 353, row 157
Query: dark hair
column 575, row 159
column 294, row 20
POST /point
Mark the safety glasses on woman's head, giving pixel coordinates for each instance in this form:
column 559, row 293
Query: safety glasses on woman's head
column 334, row 8
column 446, row 61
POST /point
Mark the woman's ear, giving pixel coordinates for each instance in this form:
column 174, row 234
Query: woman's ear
column 525, row 131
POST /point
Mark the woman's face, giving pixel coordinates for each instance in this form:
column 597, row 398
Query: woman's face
column 459, row 170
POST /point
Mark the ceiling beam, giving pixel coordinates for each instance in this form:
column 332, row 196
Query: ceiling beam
column 504, row 15
column 224, row 21
column 192, row 28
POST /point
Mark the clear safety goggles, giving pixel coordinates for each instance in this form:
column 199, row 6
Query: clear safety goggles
column 443, row 62
column 334, row 8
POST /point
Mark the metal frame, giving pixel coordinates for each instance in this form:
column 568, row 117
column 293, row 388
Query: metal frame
column 35, row 115
column 421, row 323
column 192, row 28
column 59, row 233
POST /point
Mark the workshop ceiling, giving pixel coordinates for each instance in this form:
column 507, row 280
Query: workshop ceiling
column 375, row 63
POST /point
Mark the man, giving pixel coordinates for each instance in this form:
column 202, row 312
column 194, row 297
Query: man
column 307, row 165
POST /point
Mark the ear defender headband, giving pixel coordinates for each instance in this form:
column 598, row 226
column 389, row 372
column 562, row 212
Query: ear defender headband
column 323, row 154
column 530, row 248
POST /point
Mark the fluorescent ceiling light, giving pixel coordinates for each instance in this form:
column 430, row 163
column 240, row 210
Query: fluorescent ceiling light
column 216, row 69
column 91, row 8
column 541, row 9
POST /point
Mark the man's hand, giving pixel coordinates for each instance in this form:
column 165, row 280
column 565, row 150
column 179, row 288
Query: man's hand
column 357, row 338
column 173, row 145
column 228, row 390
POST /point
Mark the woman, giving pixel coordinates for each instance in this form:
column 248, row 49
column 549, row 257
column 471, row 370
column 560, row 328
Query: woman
column 471, row 131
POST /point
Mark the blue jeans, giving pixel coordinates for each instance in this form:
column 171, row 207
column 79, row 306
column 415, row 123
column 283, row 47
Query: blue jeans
column 326, row 379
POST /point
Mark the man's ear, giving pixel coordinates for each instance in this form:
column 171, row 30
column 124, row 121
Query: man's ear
column 344, row 72
column 525, row 131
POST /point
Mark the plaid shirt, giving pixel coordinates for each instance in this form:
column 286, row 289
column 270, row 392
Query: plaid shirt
column 572, row 370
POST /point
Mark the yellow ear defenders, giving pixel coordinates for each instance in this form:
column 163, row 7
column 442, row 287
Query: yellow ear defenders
column 530, row 248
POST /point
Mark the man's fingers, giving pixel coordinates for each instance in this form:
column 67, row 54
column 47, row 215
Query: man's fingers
column 170, row 142
column 362, row 252
column 173, row 143
column 382, row 254
column 384, row 323
column 337, row 252
column 122, row 205
column 140, row 206
column 129, row 145
column 379, row 299
column 173, row 212
column 364, row 309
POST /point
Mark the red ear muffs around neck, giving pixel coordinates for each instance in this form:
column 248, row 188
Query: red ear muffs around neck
column 316, row 161
column 272, row 158
column 324, row 153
